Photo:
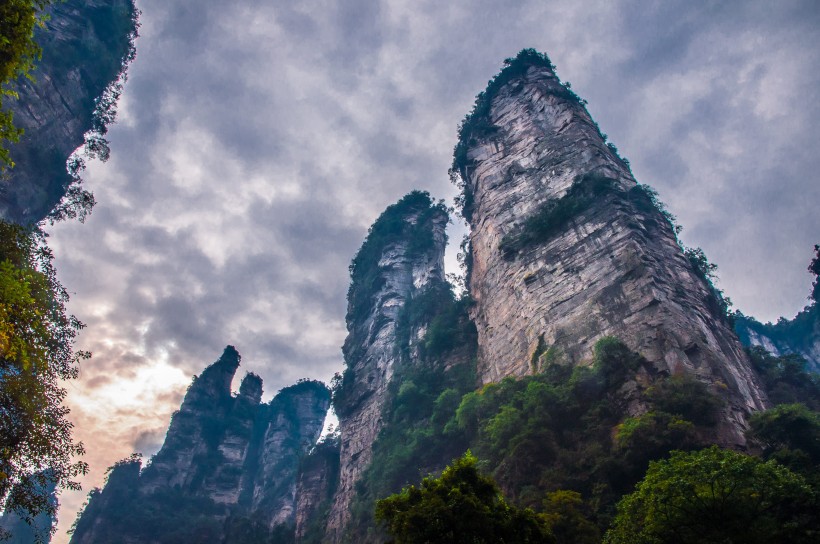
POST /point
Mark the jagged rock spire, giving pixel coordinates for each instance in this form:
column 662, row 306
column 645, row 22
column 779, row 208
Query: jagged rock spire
column 229, row 462
column 402, row 255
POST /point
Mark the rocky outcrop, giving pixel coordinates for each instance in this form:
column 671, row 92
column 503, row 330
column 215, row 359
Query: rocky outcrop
column 403, row 255
column 295, row 417
column 229, row 464
column 197, row 432
column 567, row 248
column 86, row 45
column 800, row 335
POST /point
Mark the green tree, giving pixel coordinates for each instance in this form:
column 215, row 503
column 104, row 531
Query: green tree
column 18, row 52
column 564, row 512
column 460, row 506
column 36, row 352
column 716, row 496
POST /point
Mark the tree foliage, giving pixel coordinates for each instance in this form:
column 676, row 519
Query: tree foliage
column 568, row 428
column 716, row 496
column 36, row 352
column 18, row 52
column 460, row 506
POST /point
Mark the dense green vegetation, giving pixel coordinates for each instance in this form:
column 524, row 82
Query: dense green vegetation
column 785, row 378
column 36, row 353
column 715, row 496
column 460, row 507
column 568, row 428
column 790, row 431
column 560, row 441
column 18, row 52
column 167, row 517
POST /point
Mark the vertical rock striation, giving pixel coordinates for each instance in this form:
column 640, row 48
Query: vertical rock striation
column 195, row 432
column 229, row 467
column 86, row 45
column 318, row 477
column 567, row 248
column 295, row 418
column 403, row 254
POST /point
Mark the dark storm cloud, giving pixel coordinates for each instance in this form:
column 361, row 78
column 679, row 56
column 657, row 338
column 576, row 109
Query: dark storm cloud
column 257, row 142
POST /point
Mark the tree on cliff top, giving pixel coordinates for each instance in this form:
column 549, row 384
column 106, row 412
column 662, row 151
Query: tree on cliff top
column 18, row 52
column 460, row 506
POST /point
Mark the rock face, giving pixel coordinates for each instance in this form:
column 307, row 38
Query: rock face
column 566, row 249
column 232, row 460
column 86, row 44
column 403, row 255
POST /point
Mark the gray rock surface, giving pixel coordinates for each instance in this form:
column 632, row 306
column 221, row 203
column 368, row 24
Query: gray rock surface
column 615, row 269
column 295, row 417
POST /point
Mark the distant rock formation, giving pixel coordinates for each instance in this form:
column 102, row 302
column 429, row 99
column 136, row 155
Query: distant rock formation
column 86, row 45
column 800, row 335
column 229, row 465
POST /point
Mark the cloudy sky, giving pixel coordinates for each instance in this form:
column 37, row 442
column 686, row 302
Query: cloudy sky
column 257, row 141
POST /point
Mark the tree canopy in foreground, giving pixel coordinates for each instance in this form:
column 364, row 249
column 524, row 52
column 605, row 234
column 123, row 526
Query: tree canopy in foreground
column 716, row 496
column 460, row 507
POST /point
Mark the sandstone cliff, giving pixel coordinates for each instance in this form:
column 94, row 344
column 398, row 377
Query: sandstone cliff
column 229, row 467
column 567, row 248
column 86, row 45
column 403, row 255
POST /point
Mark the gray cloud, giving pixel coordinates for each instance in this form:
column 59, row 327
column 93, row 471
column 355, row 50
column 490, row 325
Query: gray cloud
column 258, row 141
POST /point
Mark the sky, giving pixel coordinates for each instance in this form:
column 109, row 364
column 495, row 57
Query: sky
column 257, row 141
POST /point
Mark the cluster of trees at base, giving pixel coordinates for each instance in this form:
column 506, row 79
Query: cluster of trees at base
column 561, row 445
column 710, row 496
